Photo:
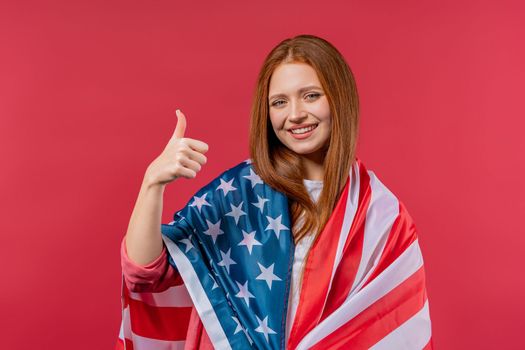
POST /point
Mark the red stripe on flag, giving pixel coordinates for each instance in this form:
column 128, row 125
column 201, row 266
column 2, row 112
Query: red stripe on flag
column 402, row 235
column 380, row 318
column 119, row 345
column 352, row 252
column 129, row 344
column 163, row 323
column 318, row 269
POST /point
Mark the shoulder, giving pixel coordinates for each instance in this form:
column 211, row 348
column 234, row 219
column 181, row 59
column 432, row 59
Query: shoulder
column 235, row 192
column 226, row 187
column 383, row 203
column 225, row 180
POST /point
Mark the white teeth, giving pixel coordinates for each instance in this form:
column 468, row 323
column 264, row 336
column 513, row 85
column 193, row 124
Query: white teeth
column 303, row 130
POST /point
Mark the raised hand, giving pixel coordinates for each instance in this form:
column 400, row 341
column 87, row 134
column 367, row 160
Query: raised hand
column 182, row 156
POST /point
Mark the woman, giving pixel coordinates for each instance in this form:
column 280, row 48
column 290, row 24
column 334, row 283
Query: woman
column 297, row 247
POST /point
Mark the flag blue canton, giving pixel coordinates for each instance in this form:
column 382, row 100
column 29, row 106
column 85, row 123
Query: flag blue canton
column 233, row 246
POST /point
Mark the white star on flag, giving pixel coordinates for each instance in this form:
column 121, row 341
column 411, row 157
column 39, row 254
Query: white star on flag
column 241, row 328
column 244, row 293
column 263, row 327
column 188, row 243
column 214, row 229
column 275, row 224
column 236, row 212
column 226, row 260
column 214, row 282
column 260, row 203
column 238, row 328
column 267, row 275
column 249, row 240
column 254, row 178
column 226, row 186
column 200, row 201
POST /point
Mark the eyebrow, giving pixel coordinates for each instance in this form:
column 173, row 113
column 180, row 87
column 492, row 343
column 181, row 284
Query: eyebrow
column 301, row 90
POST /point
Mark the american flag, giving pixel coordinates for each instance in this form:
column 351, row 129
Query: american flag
column 363, row 284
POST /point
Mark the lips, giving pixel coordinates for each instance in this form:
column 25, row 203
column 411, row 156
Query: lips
column 309, row 129
column 301, row 126
column 303, row 135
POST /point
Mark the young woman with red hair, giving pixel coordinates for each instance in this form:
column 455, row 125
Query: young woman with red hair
column 297, row 247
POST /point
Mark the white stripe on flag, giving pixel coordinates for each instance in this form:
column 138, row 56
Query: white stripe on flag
column 175, row 296
column 351, row 208
column 352, row 200
column 381, row 214
column 142, row 343
column 401, row 269
column 200, row 299
column 413, row 334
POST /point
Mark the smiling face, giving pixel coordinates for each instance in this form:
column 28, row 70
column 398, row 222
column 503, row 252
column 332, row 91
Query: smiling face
column 297, row 100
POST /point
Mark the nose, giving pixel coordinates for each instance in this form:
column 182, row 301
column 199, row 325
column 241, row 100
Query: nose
column 297, row 113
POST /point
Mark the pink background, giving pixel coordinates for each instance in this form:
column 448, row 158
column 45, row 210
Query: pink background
column 87, row 95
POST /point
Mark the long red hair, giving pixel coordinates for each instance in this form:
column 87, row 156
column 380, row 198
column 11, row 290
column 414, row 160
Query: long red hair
column 279, row 166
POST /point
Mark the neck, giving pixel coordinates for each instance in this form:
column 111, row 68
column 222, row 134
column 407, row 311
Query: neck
column 313, row 166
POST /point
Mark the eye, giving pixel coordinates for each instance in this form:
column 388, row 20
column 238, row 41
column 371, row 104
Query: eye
column 277, row 103
column 314, row 95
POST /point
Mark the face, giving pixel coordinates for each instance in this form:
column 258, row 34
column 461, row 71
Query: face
column 297, row 100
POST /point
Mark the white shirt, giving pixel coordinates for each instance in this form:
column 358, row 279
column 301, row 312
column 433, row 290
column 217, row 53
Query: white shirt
column 314, row 188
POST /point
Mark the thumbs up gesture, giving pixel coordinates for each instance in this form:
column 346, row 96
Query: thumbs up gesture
column 182, row 156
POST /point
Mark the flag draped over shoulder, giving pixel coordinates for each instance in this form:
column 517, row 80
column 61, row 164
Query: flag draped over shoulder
column 363, row 284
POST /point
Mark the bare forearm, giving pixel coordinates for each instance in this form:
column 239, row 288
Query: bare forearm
column 182, row 157
column 143, row 238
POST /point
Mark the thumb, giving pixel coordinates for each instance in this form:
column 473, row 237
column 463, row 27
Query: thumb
column 181, row 125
